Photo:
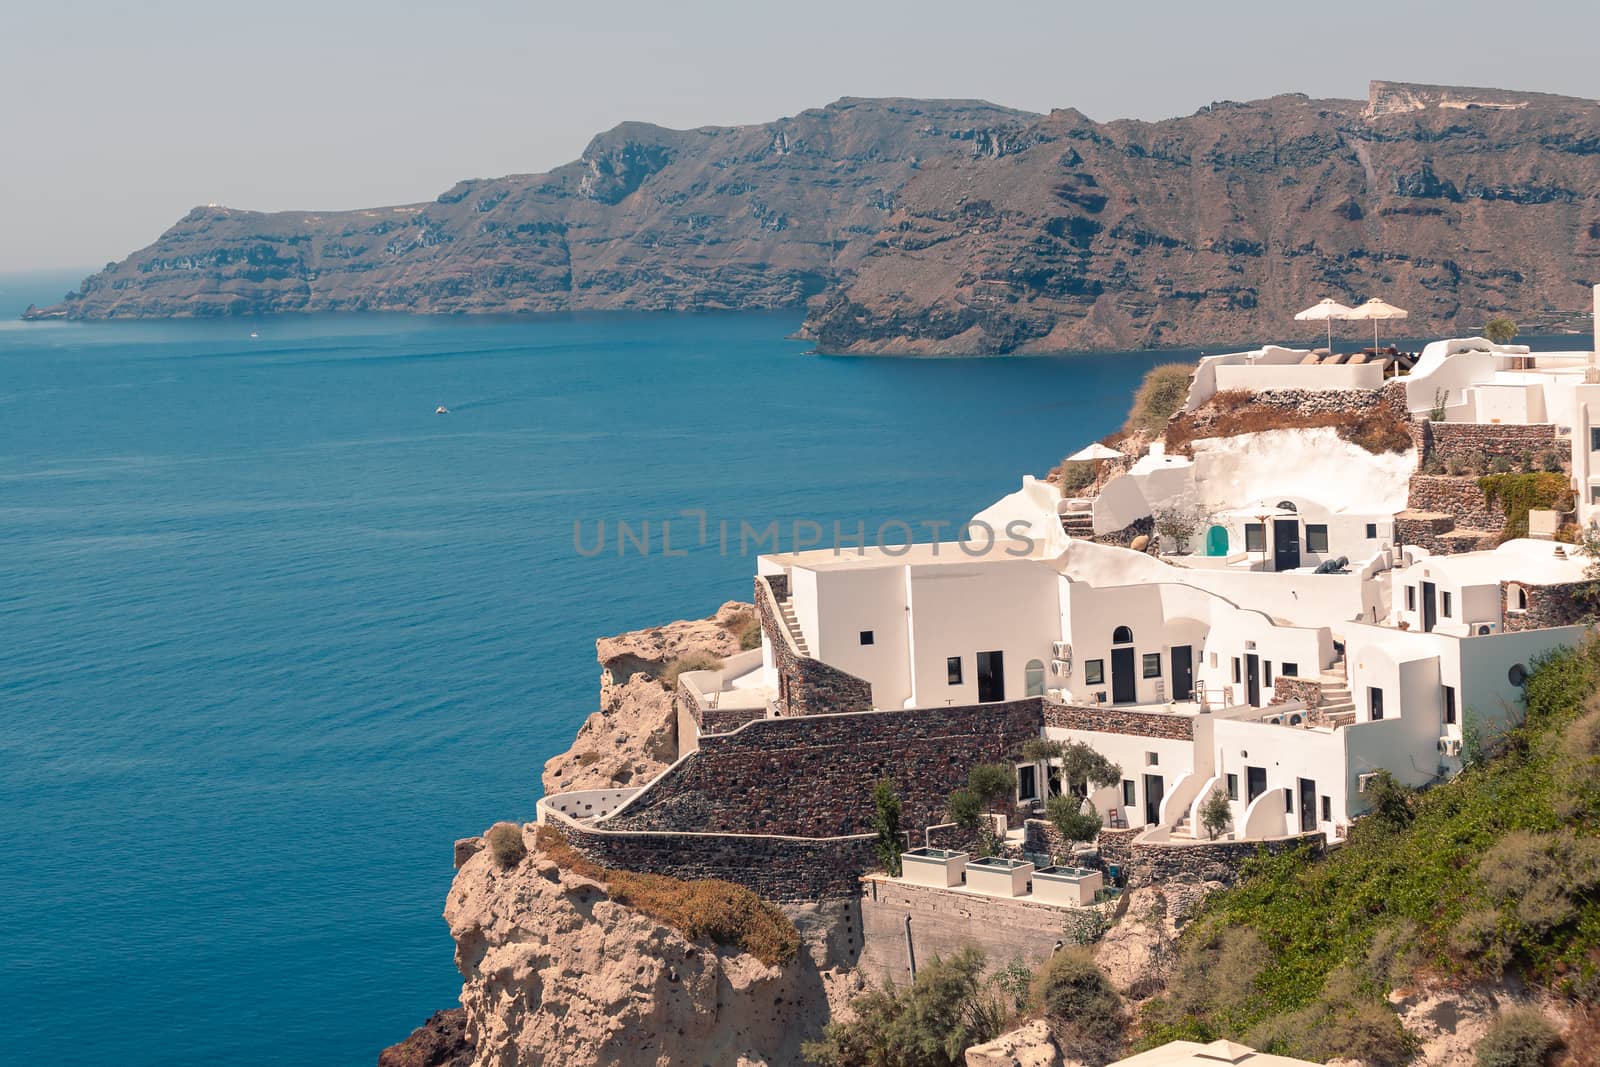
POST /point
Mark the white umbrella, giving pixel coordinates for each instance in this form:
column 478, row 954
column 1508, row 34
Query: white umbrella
column 1376, row 309
column 1094, row 451
column 1325, row 310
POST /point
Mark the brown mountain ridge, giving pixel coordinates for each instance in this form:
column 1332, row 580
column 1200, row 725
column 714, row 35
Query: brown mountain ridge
column 931, row 227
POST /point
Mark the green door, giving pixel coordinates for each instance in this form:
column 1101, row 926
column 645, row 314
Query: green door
column 1217, row 541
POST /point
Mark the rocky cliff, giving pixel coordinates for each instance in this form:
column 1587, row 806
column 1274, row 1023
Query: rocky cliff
column 634, row 735
column 961, row 227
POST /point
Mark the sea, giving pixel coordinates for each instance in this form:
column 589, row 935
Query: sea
column 274, row 633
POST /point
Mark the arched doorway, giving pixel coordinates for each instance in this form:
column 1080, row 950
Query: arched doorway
column 1217, row 541
column 1033, row 676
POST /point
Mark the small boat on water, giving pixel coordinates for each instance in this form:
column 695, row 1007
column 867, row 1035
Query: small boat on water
column 441, row 410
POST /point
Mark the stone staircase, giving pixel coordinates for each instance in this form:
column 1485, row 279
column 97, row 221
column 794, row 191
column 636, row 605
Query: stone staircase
column 1183, row 831
column 1078, row 524
column 1338, row 707
column 786, row 612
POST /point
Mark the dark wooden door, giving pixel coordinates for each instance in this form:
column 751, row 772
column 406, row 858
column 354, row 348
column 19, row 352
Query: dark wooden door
column 1285, row 544
column 1255, row 782
column 1308, row 805
column 1182, row 672
column 1154, row 791
column 1430, row 606
column 1123, row 690
column 1252, row 680
column 991, row 677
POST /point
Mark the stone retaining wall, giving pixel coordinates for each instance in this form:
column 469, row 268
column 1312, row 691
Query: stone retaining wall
column 1457, row 496
column 812, row 776
column 1548, row 605
column 1477, row 439
column 1156, row 863
column 805, row 686
column 782, row 869
column 1113, row 720
column 1285, row 690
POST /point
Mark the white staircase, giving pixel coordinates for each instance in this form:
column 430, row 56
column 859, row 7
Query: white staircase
column 1338, row 706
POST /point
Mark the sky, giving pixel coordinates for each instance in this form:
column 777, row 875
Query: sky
column 117, row 117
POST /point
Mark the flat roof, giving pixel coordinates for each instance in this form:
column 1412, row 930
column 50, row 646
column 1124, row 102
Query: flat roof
column 1214, row 1054
column 1525, row 560
column 918, row 554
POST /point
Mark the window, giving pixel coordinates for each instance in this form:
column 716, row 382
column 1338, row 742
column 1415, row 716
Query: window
column 1152, row 664
column 952, row 670
column 1411, row 598
column 1233, row 787
column 1594, row 494
column 1594, row 439
column 1122, row 636
column 1255, row 782
column 1289, row 670
column 1372, row 531
column 1094, row 671
column 1316, row 537
column 1129, row 798
column 1152, row 759
column 1028, row 782
column 1255, row 537
column 1266, row 672
column 1444, row 604
column 866, row 637
column 1033, row 675
column 1213, row 661
column 1327, row 809
column 1449, row 704
column 1288, row 800
column 1238, row 674
column 1374, row 702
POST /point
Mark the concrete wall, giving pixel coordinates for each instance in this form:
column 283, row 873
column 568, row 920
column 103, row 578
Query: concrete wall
column 1263, row 376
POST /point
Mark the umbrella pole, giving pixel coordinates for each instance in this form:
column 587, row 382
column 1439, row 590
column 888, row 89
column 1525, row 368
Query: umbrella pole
column 1330, row 336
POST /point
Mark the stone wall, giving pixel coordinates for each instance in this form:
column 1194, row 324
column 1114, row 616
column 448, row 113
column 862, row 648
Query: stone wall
column 1113, row 720
column 1438, row 534
column 1548, row 605
column 1478, row 439
column 781, row 869
column 805, row 686
column 1307, row 690
column 1459, row 497
column 942, row 922
column 714, row 720
column 1123, row 538
column 1158, row 863
column 812, row 776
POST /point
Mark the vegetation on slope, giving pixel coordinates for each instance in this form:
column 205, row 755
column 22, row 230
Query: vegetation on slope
column 1495, row 871
column 1160, row 395
column 725, row 913
column 1232, row 412
column 1517, row 494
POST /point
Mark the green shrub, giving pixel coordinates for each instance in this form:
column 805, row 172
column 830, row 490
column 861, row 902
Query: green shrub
column 886, row 824
column 1518, row 493
column 505, row 844
column 1163, row 391
column 1216, row 812
column 1085, row 1013
column 993, row 782
column 1500, row 329
column 931, row 1023
column 1073, row 476
column 965, row 809
column 1073, row 817
column 747, row 628
column 689, row 661
column 1520, row 1037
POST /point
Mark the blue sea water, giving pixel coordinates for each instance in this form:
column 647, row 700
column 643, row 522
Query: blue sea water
column 273, row 634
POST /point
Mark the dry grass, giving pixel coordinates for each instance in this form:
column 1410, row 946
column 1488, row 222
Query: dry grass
column 1234, row 412
column 689, row 661
column 746, row 627
column 725, row 913
column 1160, row 395
column 505, row 844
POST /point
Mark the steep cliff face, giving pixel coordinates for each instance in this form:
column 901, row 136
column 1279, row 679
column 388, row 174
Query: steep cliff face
column 557, row 974
column 648, row 218
column 634, row 735
column 961, row 227
column 1217, row 227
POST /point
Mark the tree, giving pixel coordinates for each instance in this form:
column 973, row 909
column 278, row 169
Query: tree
column 931, row 1023
column 1500, row 329
column 993, row 782
column 1389, row 802
column 1074, row 817
column 1178, row 519
column 1080, row 764
column 1084, row 1011
column 886, row 823
column 1215, row 812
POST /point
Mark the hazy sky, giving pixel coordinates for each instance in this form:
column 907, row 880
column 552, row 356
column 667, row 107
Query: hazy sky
column 116, row 118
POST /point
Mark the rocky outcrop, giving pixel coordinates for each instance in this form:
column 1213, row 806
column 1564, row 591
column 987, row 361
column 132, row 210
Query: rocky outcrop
column 634, row 735
column 961, row 227
column 1449, row 1022
column 439, row 1042
column 556, row 973
column 1029, row 1045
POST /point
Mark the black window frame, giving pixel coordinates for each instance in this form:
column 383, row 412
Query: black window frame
column 1374, row 702
column 1594, row 439
column 1411, row 598
column 1031, row 773
column 1372, row 531
column 1444, row 606
column 1094, row 672
column 1149, row 659
column 1233, row 787
column 1286, row 669
column 1255, row 537
column 1130, row 793
column 1238, row 670
column 952, row 669
column 1449, row 704
column 1327, row 809
column 868, row 638
column 1317, row 531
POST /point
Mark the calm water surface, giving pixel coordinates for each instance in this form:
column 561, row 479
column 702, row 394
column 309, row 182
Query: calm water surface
column 273, row 634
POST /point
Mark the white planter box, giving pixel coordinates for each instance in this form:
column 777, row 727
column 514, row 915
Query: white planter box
column 1067, row 885
column 999, row 877
column 933, row 866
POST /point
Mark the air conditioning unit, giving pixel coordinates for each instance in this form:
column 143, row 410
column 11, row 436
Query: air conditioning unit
column 1364, row 780
column 1061, row 650
column 1449, row 746
column 1484, row 629
column 1060, row 667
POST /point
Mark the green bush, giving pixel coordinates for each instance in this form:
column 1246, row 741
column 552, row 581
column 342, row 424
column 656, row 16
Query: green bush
column 993, row 782
column 1520, row 1037
column 1216, row 812
column 886, row 824
column 965, row 809
column 931, row 1023
column 1073, row 817
column 1500, row 329
column 1072, row 476
column 1160, row 395
column 689, row 661
column 1518, row 493
column 1085, row 1013
column 505, row 844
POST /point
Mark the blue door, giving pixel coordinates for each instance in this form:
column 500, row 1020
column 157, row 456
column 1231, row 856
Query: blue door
column 1217, row 541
